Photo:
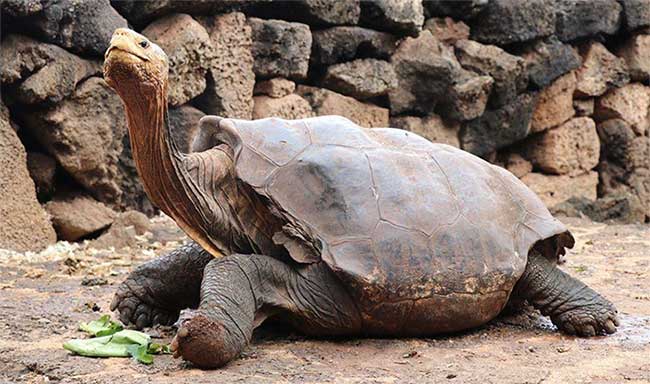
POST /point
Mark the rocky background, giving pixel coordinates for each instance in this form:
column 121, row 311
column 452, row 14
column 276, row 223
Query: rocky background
column 556, row 91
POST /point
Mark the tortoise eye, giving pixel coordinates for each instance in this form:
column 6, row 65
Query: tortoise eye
column 144, row 43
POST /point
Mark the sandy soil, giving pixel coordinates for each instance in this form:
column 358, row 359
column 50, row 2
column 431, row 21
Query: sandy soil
column 44, row 296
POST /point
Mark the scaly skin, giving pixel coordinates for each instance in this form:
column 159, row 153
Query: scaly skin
column 240, row 291
column 573, row 307
column 155, row 292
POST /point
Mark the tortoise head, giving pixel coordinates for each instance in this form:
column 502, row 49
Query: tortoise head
column 134, row 66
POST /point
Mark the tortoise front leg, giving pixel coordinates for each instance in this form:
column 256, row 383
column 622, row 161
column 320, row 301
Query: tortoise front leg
column 573, row 307
column 156, row 291
column 240, row 291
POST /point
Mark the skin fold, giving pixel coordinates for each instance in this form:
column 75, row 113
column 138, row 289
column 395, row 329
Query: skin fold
column 236, row 273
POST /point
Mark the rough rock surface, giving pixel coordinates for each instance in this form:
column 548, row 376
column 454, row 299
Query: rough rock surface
column 425, row 71
column 75, row 216
column 82, row 26
column 636, row 13
column 625, row 161
column 463, row 10
column 287, row 107
column 42, row 169
column 508, row 21
column 630, row 103
column 313, row 12
column 555, row 189
column 24, row 225
column 583, row 107
column 21, row 8
column 549, row 59
column 600, row 71
column 230, row 81
column 397, row 16
column 276, row 87
column 190, row 53
column 636, row 52
column 499, row 128
column 184, row 124
column 583, row 18
column 572, row 148
column 361, row 78
column 123, row 231
column 84, row 133
column 447, row 30
column 45, row 73
column 517, row 165
column 280, row 48
column 467, row 97
column 326, row 102
column 623, row 208
column 554, row 105
column 508, row 71
column 140, row 12
column 431, row 127
column 340, row 44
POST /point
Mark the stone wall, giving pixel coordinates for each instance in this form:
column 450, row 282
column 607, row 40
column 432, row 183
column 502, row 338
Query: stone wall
column 556, row 91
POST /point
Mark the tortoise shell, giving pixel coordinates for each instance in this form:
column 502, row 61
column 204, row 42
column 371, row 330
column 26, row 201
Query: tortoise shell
column 395, row 216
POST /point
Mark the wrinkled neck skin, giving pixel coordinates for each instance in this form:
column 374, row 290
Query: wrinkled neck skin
column 160, row 166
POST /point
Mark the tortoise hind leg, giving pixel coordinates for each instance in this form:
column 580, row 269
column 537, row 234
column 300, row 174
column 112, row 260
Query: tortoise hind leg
column 573, row 307
column 239, row 292
column 156, row 291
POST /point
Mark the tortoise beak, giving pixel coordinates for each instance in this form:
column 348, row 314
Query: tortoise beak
column 124, row 43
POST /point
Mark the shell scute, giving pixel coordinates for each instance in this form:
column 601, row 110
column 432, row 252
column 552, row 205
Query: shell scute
column 409, row 190
column 328, row 188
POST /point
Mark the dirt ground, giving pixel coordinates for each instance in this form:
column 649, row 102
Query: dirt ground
column 44, row 296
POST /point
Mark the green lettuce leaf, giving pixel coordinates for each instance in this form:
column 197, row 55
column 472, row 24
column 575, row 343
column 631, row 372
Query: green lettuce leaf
column 115, row 345
column 103, row 326
column 113, row 341
column 140, row 353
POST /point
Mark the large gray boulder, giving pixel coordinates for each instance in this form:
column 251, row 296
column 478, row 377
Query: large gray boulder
column 548, row 59
column 583, row 18
column 396, row 16
column 280, row 48
column 463, row 10
column 514, row 21
column 636, row 13
column 81, row 26
column 498, row 128
column 313, row 12
column 21, row 8
column 42, row 73
column 426, row 69
column 508, row 71
column 139, row 12
column 362, row 78
column 340, row 44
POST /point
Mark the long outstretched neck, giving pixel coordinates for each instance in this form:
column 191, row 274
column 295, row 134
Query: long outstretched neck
column 156, row 157
column 160, row 163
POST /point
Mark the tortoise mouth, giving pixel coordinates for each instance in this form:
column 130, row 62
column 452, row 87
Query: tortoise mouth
column 116, row 52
